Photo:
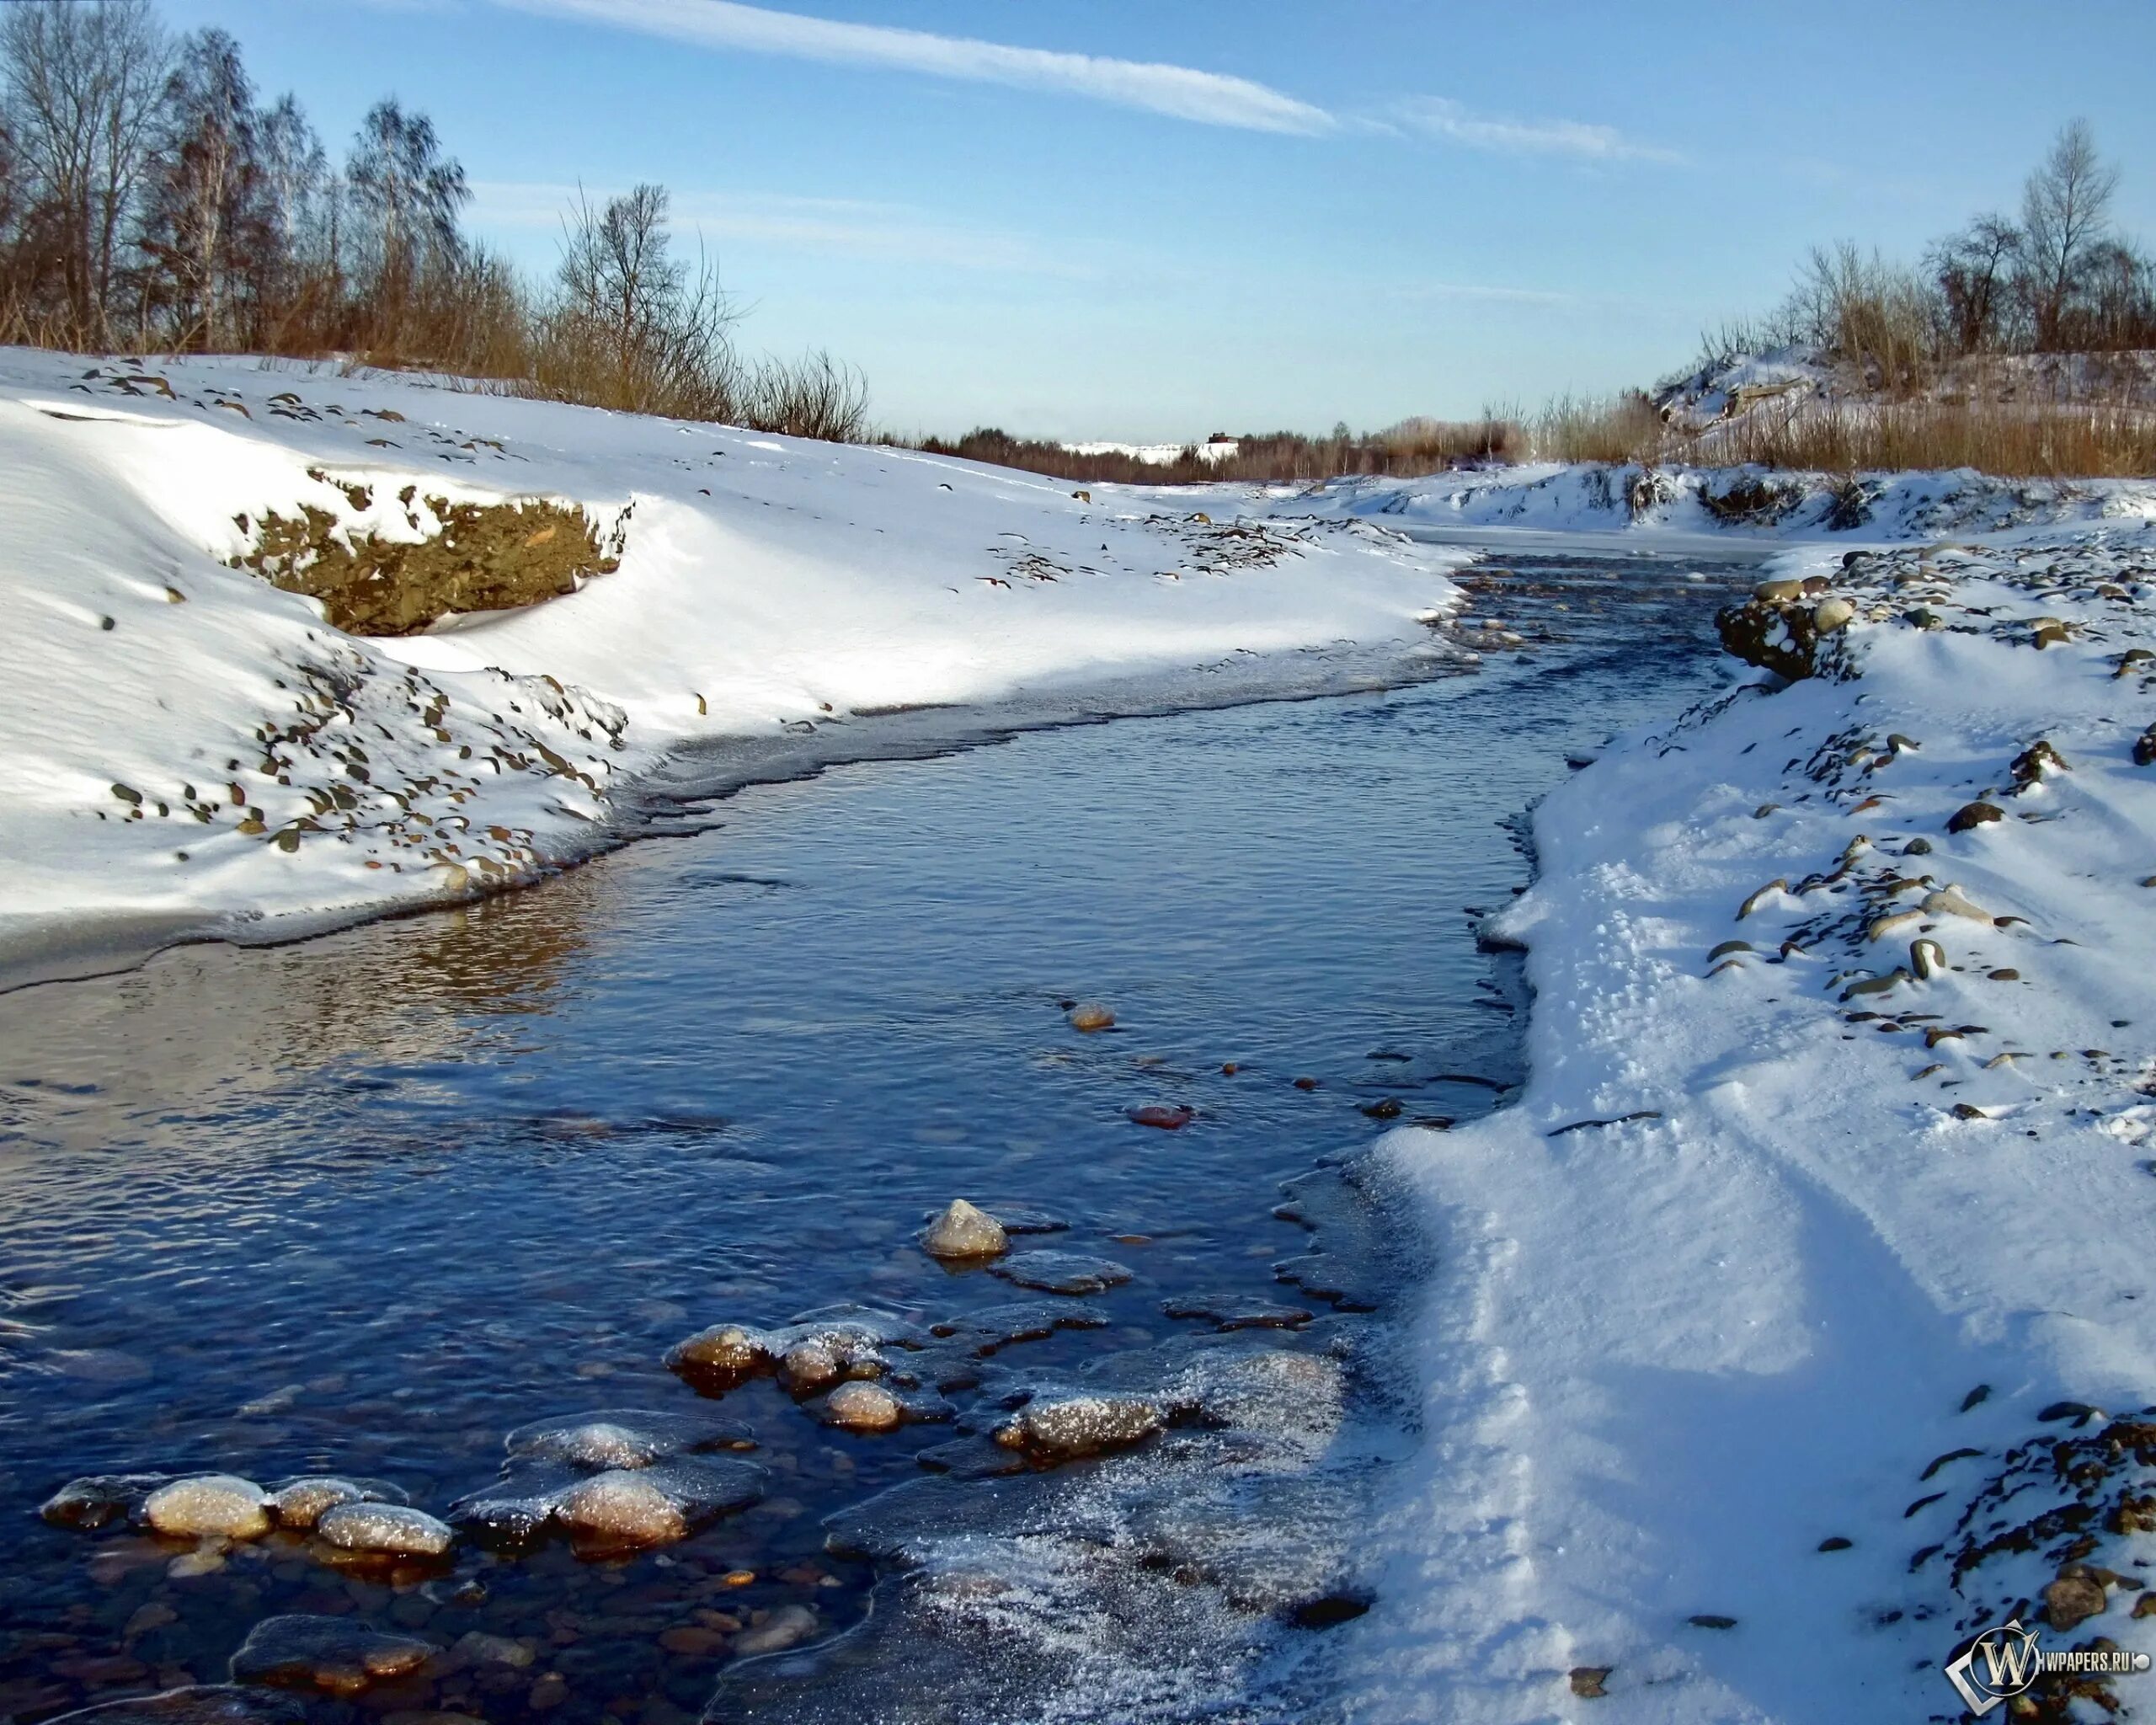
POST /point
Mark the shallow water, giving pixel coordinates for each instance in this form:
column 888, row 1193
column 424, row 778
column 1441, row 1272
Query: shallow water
column 364, row 1204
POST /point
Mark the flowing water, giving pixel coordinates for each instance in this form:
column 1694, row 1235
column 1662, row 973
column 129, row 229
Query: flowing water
column 365, row 1204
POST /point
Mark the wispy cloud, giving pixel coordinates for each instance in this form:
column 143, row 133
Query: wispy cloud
column 1438, row 117
column 841, row 226
column 1209, row 97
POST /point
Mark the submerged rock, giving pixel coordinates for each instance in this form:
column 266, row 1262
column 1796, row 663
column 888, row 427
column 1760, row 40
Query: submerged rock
column 1090, row 1015
column 1229, row 1312
column 204, row 1505
column 99, row 1499
column 1169, row 1117
column 388, row 1529
column 625, row 1438
column 623, row 1506
column 788, row 1627
column 339, row 1655
column 962, row 1232
column 1061, row 1272
column 614, row 1509
column 993, row 1326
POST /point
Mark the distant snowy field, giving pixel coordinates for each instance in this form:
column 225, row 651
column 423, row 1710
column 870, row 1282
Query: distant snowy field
column 1162, row 454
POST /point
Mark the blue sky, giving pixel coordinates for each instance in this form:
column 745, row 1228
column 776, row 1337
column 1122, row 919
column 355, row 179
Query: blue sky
column 1113, row 219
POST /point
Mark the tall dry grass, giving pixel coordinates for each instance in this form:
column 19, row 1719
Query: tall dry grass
column 2008, row 440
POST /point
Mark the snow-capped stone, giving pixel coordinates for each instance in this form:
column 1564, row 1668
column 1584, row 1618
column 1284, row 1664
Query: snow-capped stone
column 864, row 1408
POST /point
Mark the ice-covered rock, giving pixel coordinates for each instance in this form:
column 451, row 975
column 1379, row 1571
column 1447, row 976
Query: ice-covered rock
column 209, row 1503
column 623, row 1506
column 962, row 1232
column 788, row 1627
column 388, row 1530
column 1061, row 1272
column 815, row 1351
column 1057, row 1429
column 864, row 1408
column 723, row 1352
column 654, row 1505
column 338, row 1656
column 991, row 1327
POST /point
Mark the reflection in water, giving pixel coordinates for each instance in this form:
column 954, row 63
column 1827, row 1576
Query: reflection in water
column 366, row 1203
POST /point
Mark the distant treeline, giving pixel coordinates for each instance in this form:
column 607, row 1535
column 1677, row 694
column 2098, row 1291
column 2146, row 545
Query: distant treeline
column 150, row 203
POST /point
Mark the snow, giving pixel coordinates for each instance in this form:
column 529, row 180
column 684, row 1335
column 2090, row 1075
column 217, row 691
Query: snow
column 1163, row 454
column 770, row 589
column 1664, row 1358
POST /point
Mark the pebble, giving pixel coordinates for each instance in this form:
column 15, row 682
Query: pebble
column 864, row 1408
column 1062, row 1272
column 209, row 1503
column 1587, row 1680
column 392, row 1529
column 962, row 1232
column 338, row 1655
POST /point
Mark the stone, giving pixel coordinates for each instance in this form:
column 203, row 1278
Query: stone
column 630, row 1437
column 2144, row 748
column 962, row 1232
column 301, row 1503
column 1949, row 902
column 1061, row 1272
column 2074, row 1598
column 1090, row 1015
column 99, row 1499
column 1927, row 959
column 339, row 1655
column 476, row 1647
column 1830, row 615
column 723, row 1351
column 1973, row 815
column 390, row 1529
column 864, row 1408
column 209, row 1503
column 1169, row 1117
column 1587, row 1681
column 197, row 1704
column 2038, row 761
column 1061, row 1428
column 788, row 1627
column 1779, row 592
column 622, row 1507
column 1227, row 1312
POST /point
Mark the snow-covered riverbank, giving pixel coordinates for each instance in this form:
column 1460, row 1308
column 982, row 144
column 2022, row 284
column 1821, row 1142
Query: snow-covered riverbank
column 184, row 750
column 1824, row 1216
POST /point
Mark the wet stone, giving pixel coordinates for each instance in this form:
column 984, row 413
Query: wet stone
column 100, row 1499
column 962, row 1232
column 341, row 1656
column 625, row 1438
column 301, row 1502
column 1061, row 1272
column 864, row 1408
column 386, row 1529
column 221, row 1504
column 1060, row 1428
column 788, row 1627
column 996, row 1326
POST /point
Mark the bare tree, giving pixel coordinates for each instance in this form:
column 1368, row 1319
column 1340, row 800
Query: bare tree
column 206, row 225
column 83, row 83
column 410, row 195
column 1973, row 269
column 2065, row 213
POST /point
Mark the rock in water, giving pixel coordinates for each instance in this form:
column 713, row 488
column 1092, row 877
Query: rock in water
column 337, row 1655
column 205, row 1504
column 962, row 1232
column 99, row 1499
column 629, row 1437
column 198, row 1704
column 722, row 1353
column 1060, row 1428
column 392, row 1529
column 864, row 1408
column 1169, row 1117
column 622, row 1507
column 301, row 1503
column 1062, row 1272
column 1090, row 1015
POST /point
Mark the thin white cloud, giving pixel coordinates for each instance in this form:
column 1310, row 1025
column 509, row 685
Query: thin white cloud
column 1209, row 97
column 1439, row 117
column 840, row 227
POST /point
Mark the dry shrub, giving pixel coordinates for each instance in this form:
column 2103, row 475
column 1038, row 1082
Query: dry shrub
column 1618, row 428
column 2007, row 438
